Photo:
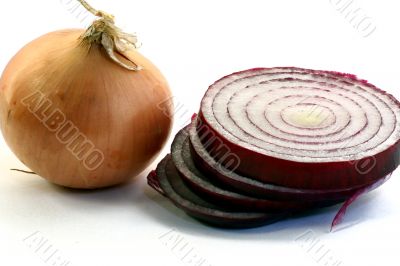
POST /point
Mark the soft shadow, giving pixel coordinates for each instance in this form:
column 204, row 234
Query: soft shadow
column 285, row 230
column 123, row 194
column 138, row 197
column 115, row 193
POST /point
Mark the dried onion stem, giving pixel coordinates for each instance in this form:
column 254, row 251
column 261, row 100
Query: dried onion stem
column 104, row 32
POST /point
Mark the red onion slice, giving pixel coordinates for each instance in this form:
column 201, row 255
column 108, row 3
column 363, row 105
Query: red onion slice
column 302, row 128
column 167, row 181
column 202, row 185
column 245, row 185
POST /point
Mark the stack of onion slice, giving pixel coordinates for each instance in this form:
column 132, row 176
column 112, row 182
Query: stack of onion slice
column 268, row 143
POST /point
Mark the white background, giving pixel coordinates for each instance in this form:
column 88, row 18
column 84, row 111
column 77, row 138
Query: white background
column 195, row 43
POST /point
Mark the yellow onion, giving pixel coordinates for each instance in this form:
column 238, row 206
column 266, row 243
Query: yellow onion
column 76, row 109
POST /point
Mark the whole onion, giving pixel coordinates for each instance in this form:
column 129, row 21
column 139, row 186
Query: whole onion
column 82, row 108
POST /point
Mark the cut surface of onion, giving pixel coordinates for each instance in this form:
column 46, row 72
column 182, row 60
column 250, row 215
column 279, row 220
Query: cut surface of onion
column 302, row 128
column 167, row 181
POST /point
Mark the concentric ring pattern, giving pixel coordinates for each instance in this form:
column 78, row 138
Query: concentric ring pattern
column 303, row 115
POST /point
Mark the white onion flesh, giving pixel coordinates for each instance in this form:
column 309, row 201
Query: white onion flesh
column 303, row 115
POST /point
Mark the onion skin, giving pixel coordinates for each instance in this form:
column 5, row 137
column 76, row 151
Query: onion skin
column 114, row 108
column 302, row 175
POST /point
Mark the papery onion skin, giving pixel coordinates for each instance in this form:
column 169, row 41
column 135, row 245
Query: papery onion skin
column 127, row 115
column 301, row 175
